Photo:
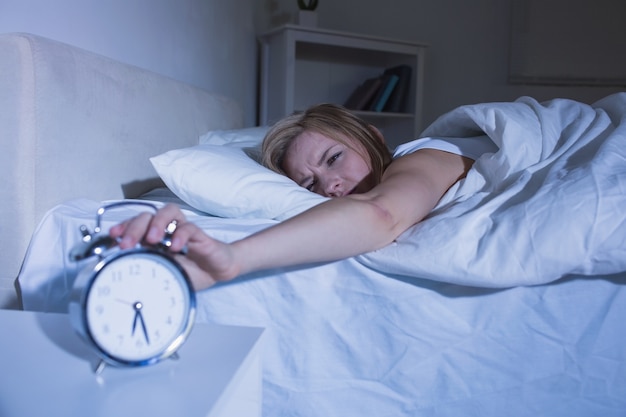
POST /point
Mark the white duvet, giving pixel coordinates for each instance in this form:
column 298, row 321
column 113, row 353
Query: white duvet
column 346, row 339
column 550, row 203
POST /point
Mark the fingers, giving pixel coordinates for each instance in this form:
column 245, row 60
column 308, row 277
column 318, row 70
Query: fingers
column 134, row 230
column 184, row 233
column 157, row 228
column 207, row 260
column 149, row 228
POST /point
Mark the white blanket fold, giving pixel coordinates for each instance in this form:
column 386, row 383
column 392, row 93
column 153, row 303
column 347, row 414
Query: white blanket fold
column 551, row 202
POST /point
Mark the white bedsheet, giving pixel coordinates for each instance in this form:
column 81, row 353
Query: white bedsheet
column 551, row 202
column 346, row 339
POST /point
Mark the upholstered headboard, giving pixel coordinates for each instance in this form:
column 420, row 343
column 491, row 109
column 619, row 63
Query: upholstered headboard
column 75, row 124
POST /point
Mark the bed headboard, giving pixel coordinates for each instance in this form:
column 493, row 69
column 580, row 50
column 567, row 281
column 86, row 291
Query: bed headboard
column 79, row 125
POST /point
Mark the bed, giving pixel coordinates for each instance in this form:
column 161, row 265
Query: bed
column 508, row 299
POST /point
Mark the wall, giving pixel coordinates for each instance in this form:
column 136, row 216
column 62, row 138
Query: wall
column 207, row 43
column 211, row 43
column 468, row 58
column 583, row 49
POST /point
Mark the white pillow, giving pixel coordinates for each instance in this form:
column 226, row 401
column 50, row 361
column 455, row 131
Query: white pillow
column 239, row 138
column 224, row 181
column 249, row 139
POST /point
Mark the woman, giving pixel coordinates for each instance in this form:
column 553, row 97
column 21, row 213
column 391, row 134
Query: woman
column 329, row 151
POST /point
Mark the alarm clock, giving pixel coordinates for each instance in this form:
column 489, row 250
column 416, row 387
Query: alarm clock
column 134, row 307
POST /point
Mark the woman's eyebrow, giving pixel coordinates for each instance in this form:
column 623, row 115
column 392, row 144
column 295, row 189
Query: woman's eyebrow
column 323, row 157
column 320, row 162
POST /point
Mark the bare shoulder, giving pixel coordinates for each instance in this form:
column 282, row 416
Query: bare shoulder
column 413, row 184
column 444, row 168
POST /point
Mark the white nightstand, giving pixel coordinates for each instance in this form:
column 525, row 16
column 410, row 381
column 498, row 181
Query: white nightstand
column 47, row 370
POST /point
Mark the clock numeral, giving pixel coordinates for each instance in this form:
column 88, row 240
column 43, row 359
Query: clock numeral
column 104, row 291
column 116, row 276
column 120, row 338
column 106, row 329
column 99, row 309
column 134, row 269
column 166, row 285
column 172, row 301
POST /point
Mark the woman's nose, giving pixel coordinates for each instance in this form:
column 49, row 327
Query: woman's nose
column 332, row 188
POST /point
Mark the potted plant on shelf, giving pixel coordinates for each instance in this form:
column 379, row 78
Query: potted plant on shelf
column 307, row 16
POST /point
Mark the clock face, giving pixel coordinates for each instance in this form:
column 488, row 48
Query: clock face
column 138, row 307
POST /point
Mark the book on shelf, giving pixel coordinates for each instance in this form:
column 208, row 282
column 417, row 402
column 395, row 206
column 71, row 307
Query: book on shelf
column 387, row 92
column 397, row 102
column 362, row 96
column 387, row 86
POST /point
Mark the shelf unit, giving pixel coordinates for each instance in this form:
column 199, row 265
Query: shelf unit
column 302, row 66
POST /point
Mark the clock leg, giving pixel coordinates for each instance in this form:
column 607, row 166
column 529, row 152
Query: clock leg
column 100, row 367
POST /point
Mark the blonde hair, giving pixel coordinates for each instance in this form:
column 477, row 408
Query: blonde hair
column 333, row 121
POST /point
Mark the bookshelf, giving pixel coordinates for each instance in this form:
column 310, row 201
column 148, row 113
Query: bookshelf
column 302, row 66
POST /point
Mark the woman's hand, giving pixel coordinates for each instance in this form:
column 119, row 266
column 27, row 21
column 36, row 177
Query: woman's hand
column 207, row 260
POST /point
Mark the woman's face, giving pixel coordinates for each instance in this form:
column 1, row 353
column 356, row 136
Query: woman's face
column 327, row 167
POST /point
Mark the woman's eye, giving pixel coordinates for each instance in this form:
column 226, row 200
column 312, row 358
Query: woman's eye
column 333, row 158
column 311, row 185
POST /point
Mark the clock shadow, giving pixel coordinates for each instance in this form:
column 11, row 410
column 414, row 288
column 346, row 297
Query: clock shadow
column 59, row 330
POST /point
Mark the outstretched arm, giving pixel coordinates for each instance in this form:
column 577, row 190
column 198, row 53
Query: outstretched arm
column 337, row 229
column 355, row 224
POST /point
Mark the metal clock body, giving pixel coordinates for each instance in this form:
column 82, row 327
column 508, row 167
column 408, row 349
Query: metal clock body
column 136, row 307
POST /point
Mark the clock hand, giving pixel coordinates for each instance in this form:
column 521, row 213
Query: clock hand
column 135, row 322
column 139, row 317
column 143, row 326
column 119, row 300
